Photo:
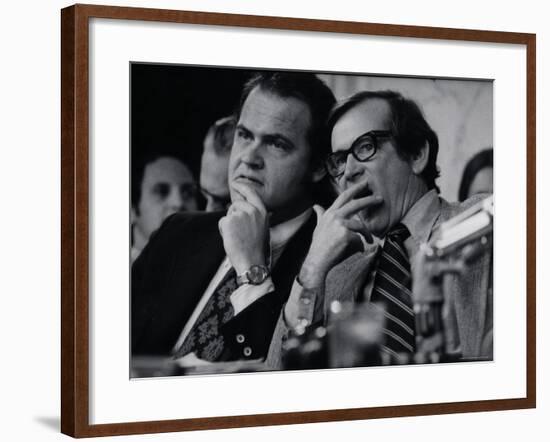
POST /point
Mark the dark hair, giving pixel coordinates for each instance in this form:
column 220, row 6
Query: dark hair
column 306, row 87
column 139, row 163
column 409, row 128
column 222, row 132
column 479, row 161
column 310, row 89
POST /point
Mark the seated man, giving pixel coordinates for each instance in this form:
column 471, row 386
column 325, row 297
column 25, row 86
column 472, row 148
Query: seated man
column 214, row 163
column 161, row 186
column 210, row 286
column 383, row 163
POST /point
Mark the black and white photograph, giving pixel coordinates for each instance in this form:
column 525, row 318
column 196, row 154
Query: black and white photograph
column 295, row 220
column 275, row 221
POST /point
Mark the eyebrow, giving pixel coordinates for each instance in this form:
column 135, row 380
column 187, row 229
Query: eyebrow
column 359, row 137
column 270, row 137
column 276, row 136
column 362, row 136
column 346, row 147
column 242, row 126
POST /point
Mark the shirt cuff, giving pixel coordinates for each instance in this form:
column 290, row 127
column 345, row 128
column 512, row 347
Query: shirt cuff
column 300, row 307
column 246, row 294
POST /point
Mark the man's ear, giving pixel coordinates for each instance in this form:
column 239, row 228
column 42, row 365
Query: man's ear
column 420, row 160
column 318, row 173
column 133, row 215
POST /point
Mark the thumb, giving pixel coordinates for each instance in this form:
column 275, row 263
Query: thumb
column 319, row 211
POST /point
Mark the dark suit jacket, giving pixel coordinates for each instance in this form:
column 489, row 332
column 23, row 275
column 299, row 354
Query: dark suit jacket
column 173, row 271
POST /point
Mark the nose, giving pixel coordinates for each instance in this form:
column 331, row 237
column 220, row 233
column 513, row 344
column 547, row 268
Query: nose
column 175, row 199
column 252, row 156
column 354, row 170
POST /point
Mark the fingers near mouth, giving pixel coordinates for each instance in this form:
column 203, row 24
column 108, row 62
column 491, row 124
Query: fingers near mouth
column 363, row 190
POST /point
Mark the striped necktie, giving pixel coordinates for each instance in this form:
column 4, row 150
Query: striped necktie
column 392, row 289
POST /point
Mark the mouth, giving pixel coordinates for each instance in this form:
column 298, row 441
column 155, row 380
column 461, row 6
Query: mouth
column 247, row 179
column 366, row 191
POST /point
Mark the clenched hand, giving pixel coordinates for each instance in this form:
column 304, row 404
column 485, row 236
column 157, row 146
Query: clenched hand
column 245, row 230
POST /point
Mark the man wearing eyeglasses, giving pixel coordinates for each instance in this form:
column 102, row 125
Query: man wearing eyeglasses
column 383, row 163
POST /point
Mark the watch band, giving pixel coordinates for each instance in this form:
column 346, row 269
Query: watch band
column 255, row 275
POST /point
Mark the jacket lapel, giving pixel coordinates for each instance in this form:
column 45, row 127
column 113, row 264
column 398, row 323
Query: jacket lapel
column 347, row 279
column 195, row 265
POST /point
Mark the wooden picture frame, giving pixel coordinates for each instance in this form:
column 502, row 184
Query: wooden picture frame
column 75, row 214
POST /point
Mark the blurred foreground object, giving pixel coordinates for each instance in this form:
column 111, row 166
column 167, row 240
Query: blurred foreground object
column 454, row 246
column 356, row 334
column 306, row 348
column 472, row 227
column 154, row 366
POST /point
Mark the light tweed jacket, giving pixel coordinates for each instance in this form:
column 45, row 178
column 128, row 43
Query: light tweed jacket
column 471, row 293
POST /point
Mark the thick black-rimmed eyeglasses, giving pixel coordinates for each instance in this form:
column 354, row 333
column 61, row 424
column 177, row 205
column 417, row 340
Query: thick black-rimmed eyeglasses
column 363, row 149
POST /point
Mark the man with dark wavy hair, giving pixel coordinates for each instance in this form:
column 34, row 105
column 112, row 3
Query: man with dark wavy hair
column 383, row 163
column 209, row 287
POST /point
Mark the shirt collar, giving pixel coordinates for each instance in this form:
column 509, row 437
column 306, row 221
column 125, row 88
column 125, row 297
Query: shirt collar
column 422, row 216
column 281, row 233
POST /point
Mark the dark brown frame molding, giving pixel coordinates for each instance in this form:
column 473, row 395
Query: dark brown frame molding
column 74, row 219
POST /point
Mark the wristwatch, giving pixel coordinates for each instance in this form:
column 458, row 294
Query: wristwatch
column 255, row 275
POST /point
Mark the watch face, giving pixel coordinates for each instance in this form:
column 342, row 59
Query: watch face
column 257, row 274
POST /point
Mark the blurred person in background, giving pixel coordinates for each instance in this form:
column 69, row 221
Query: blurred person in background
column 477, row 176
column 215, row 162
column 161, row 186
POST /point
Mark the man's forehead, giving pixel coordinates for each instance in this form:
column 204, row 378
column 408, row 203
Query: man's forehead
column 268, row 110
column 370, row 114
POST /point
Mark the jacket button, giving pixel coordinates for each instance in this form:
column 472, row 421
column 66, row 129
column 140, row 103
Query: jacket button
column 240, row 338
column 306, row 301
column 247, row 351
